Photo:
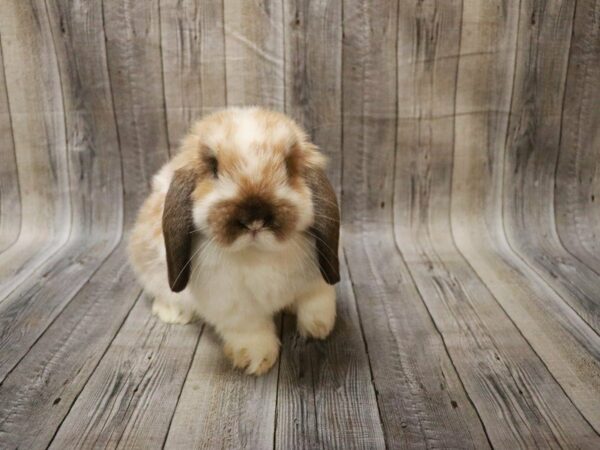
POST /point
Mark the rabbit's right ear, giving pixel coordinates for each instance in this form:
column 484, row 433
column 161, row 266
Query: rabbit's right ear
column 178, row 226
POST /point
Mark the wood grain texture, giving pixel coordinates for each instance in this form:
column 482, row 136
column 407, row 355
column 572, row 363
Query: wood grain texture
column 193, row 59
column 94, row 168
column 482, row 341
column 38, row 132
column 577, row 183
column 129, row 400
column 325, row 396
column 407, row 354
column 237, row 411
column 10, row 198
column 135, row 69
column 254, row 53
column 532, row 146
column 313, row 75
column 463, row 144
column 556, row 333
column 38, row 393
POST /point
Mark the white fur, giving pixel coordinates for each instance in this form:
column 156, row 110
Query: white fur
column 238, row 288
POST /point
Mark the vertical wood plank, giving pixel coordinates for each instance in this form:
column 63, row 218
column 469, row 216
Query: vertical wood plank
column 135, row 69
column 38, row 393
column 555, row 332
column 129, row 400
column 531, row 155
column 193, row 59
column 94, row 169
column 10, row 199
column 326, row 397
column 325, row 394
column 34, row 92
column 254, row 50
column 237, row 410
column 416, row 384
column 313, row 74
column 577, row 191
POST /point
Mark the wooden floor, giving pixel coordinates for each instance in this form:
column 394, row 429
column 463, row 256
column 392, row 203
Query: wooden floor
column 465, row 150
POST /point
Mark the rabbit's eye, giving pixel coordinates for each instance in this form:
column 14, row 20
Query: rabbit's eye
column 213, row 165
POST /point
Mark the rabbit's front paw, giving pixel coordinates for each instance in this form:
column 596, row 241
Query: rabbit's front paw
column 316, row 312
column 172, row 311
column 254, row 353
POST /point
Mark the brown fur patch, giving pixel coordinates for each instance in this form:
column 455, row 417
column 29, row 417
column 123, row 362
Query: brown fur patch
column 177, row 225
column 229, row 217
column 202, row 189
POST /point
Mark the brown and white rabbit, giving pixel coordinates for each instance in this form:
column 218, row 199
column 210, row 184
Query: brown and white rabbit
column 241, row 224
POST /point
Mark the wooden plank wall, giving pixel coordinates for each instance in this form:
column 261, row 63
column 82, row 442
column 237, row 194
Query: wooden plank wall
column 464, row 144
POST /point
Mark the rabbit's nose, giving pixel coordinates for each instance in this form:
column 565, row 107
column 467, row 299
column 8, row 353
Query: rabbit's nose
column 255, row 225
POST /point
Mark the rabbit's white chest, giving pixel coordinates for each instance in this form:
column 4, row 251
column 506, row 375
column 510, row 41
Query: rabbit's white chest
column 232, row 284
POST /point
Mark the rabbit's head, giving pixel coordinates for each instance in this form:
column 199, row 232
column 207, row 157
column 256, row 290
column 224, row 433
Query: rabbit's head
column 248, row 179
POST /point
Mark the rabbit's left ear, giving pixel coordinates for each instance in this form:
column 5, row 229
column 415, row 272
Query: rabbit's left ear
column 326, row 226
column 178, row 225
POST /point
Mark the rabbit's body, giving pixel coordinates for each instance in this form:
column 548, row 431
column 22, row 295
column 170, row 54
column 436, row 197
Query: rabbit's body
column 235, row 283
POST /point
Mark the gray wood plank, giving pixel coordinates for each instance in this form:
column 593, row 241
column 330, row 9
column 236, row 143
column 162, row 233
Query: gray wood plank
column 220, row 407
column 254, row 48
column 193, row 58
column 326, row 398
column 531, row 154
column 95, row 179
column 421, row 398
column 567, row 346
column 499, row 370
column 577, row 188
column 38, row 393
column 313, row 75
column 237, row 410
column 37, row 117
column 135, row 68
column 10, row 197
column 325, row 395
column 129, row 400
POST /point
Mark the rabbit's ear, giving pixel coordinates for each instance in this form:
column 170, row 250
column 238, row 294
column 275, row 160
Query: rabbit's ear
column 177, row 225
column 326, row 226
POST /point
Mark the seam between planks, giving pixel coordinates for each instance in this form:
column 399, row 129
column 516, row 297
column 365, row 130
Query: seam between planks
column 192, row 358
column 393, row 221
column 560, row 136
column 452, row 234
column 12, row 136
column 225, row 52
column 114, row 115
column 366, row 347
column 281, row 328
column 66, row 304
column 503, row 222
column 64, row 115
column 108, row 346
column 162, row 79
column 505, row 238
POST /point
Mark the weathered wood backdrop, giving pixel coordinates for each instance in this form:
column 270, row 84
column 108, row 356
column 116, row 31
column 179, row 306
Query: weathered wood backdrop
column 464, row 139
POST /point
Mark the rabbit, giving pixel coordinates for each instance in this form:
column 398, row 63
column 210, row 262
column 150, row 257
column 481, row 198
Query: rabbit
column 241, row 223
